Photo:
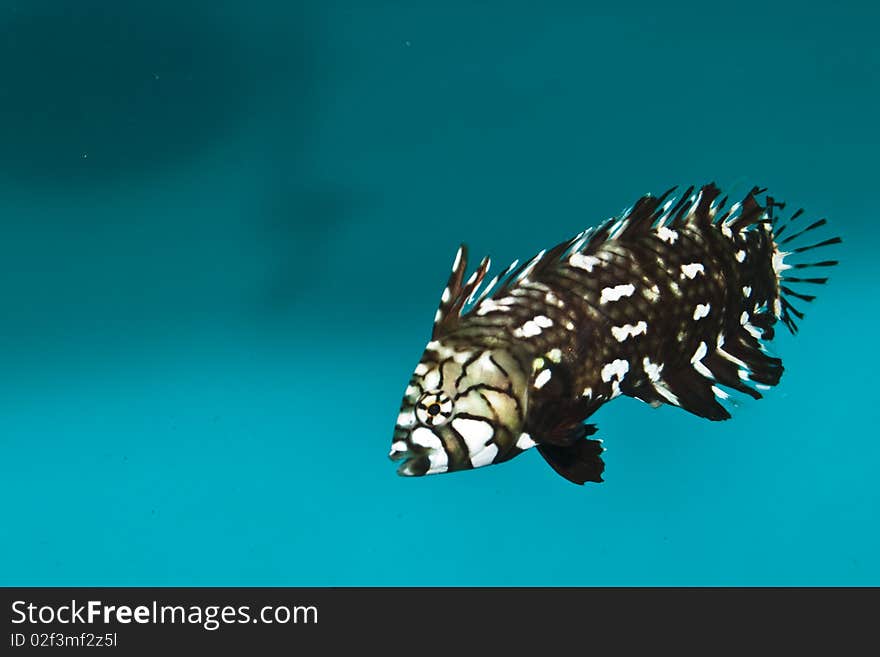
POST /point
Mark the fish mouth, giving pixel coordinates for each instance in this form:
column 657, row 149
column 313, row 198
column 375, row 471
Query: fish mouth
column 396, row 455
column 413, row 465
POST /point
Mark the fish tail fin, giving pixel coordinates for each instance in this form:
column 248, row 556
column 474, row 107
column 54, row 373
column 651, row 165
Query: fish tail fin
column 765, row 248
column 768, row 245
column 787, row 246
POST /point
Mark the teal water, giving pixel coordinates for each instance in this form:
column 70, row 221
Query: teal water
column 226, row 226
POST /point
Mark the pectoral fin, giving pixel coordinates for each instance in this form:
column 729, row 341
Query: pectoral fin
column 560, row 433
column 556, row 424
column 579, row 462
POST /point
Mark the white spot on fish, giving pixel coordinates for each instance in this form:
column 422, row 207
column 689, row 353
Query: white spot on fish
column 701, row 351
column 397, row 446
column 753, row 331
column 702, row 310
column 653, row 370
column 667, row 234
column 424, row 437
column 432, row 380
column 406, row 419
column 476, row 433
column 542, row 378
column 616, row 292
column 438, row 461
column 553, row 300
column 779, row 265
column 777, row 307
column 457, row 260
column 621, row 333
column 445, row 296
column 692, row 270
column 527, row 330
column 740, row 256
column 536, row 285
column 555, row 355
column 664, row 391
column 525, row 442
column 615, row 389
column 543, row 321
column 489, row 306
column 697, row 358
column 569, row 326
column 588, row 392
column 584, row 261
column 719, row 392
column 744, row 318
column 731, row 358
column 617, row 368
column 747, row 291
column 484, row 456
column 438, row 316
column 421, row 369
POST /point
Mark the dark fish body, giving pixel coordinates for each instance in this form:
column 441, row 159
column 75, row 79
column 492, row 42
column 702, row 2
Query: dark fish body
column 670, row 303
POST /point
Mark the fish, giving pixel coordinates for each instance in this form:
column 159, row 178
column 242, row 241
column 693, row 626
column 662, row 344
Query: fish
column 672, row 302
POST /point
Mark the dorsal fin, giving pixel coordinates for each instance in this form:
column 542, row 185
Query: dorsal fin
column 701, row 207
column 456, row 294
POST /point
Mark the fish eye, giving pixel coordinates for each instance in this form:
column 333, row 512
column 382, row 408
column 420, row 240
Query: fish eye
column 434, row 408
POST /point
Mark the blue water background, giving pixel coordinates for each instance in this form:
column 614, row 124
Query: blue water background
column 226, row 227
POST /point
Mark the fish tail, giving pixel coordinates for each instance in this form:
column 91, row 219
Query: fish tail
column 768, row 244
column 789, row 242
column 767, row 248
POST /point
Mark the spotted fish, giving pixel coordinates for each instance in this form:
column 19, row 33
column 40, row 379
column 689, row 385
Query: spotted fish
column 671, row 303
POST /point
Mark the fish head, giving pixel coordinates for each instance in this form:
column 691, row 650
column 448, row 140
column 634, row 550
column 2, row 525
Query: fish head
column 463, row 408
